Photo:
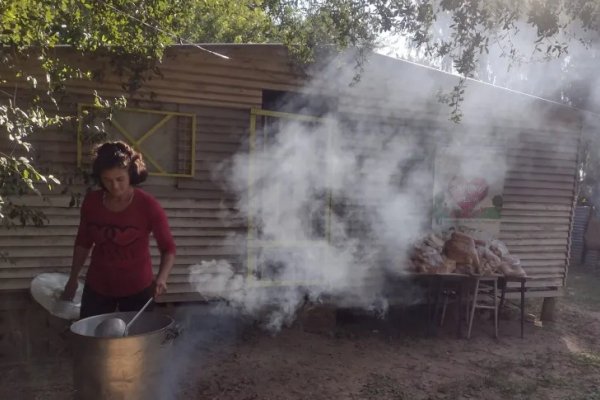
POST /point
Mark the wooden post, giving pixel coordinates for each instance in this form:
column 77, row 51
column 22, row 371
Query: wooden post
column 549, row 309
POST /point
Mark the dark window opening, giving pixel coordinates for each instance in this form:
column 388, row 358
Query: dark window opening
column 298, row 103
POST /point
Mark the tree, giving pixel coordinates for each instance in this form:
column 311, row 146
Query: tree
column 133, row 34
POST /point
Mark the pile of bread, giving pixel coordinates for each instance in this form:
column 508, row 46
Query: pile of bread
column 461, row 253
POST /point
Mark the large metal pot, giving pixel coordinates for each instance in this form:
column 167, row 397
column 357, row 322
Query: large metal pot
column 128, row 368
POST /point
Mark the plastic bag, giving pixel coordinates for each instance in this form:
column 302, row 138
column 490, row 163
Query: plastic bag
column 47, row 288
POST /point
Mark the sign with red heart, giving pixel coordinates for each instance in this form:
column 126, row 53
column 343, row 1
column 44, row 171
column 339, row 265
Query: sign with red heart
column 468, row 187
column 467, row 193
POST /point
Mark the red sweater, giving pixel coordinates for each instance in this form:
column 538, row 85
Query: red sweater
column 121, row 263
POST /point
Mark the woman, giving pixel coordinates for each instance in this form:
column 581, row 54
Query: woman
column 117, row 221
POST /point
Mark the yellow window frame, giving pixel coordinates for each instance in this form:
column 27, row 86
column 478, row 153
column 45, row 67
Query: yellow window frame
column 136, row 143
column 253, row 244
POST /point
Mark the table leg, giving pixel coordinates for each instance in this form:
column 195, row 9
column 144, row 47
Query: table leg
column 522, row 308
column 460, row 287
column 437, row 287
column 503, row 285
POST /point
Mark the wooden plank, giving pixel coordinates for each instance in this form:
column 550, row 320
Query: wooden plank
column 529, row 168
column 537, row 270
column 507, row 219
column 532, row 228
column 510, row 191
column 263, row 59
column 219, row 115
column 524, row 256
column 543, row 283
column 144, row 96
column 207, row 136
column 531, row 294
column 516, row 205
column 535, row 154
column 29, row 273
column 535, row 242
column 172, row 213
column 179, row 274
column 525, row 263
column 14, row 284
column 57, row 262
column 547, row 200
column 201, row 78
column 537, row 247
column 541, row 147
column 539, row 177
column 548, row 136
column 174, row 83
column 34, row 231
column 230, row 75
column 504, row 235
column 557, row 275
column 57, row 241
column 156, row 90
column 66, row 251
column 533, row 184
column 72, row 230
column 10, row 243
column 212, row 147
column 535, row 213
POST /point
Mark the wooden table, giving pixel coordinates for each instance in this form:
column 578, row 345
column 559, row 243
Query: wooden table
column 434, row 285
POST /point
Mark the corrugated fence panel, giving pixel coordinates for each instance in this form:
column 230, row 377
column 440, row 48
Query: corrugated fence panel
column 582, row 215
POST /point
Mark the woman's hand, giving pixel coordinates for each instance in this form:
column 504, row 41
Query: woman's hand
column 70, row 289
column 166, row 264
column 160, row 287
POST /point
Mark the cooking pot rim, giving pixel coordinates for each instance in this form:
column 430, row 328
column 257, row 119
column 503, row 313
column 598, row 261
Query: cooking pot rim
column 169, row 322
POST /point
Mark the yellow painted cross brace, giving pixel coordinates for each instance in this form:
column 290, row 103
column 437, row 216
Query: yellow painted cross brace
column 136, row 143
column 253, row 244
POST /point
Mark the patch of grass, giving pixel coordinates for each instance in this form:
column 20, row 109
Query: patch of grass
column 511, row 386
column 383, row 387
column 586, row 359
column 582, row 288
column 510, row 379
column 590, row 394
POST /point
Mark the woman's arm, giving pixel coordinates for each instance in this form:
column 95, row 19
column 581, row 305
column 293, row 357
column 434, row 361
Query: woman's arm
column 81, row 250
column 166, row 264
column 166, row 245
column 80, row 254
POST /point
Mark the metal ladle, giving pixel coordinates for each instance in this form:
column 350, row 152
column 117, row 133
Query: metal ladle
column 116, row 327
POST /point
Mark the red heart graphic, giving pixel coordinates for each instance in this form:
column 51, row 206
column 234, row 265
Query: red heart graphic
column 121, row 236
column 467, row 193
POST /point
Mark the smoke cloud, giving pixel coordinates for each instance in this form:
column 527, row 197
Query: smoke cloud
column 335, row 203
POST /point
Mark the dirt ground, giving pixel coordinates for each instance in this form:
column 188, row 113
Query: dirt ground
column 367, row 358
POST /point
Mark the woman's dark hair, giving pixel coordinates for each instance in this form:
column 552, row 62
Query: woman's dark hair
column 118, row 155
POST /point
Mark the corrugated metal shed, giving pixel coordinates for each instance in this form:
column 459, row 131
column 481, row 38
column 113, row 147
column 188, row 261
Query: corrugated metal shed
column 539, row 190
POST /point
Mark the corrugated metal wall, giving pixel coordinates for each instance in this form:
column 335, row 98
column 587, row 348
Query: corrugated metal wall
column 538, row 194
column 199, row 208
column 581, row 217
